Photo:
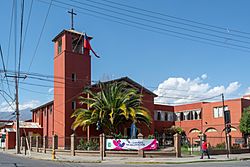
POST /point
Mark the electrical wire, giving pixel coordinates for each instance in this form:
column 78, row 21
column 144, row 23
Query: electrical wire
column 177, row 18
column 21, row 38
column 40, row 36
column 157, row 22
column 27, row 25
column 148, row 29
column 197, row 38
column 1, row 52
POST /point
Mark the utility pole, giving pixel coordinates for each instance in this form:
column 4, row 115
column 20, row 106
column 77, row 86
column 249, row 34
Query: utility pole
column 17, row 111
column 223, row 109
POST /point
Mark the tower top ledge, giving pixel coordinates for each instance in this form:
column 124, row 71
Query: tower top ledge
column 72, row 32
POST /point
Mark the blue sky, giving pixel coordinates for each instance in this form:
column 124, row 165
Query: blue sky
column 168, row 65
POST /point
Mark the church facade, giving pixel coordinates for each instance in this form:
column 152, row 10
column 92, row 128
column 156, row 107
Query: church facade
column 72, row 72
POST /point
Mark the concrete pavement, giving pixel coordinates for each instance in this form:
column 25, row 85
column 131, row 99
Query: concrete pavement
column 130, row 160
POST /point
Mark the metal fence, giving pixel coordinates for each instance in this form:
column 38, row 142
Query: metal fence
column 216, row 144
column 165, row 141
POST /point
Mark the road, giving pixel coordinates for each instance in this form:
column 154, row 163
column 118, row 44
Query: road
column 7, row 160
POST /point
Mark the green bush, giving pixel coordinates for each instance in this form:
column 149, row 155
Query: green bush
column 85, row 145
column 219, row 146
column 235, row 146
column 151, row 136
column 118, row 136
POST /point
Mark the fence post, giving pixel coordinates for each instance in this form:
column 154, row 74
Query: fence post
column 45, row 143
column 30, row 143
column 54, row 141
column 141, row 151
column 72, row 144
column 101, row 146
column 54, row 145
column 163, row 139
column 229, row 140
column 104, row 145
column 191, row 146
column 177, row 145
column 248, row 142
column 37, row 143
column 22, row 142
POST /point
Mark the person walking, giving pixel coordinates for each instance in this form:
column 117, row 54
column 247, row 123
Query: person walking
column 204, row 149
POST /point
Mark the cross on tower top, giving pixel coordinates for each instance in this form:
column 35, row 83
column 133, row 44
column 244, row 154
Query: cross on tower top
column 72, row 19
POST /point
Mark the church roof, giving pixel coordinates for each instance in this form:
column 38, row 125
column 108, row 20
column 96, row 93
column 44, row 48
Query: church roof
column 43, row 105
column 70, row 31
column 131, row 82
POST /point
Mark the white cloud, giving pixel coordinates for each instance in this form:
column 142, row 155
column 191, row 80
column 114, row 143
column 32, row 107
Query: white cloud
column 204, row 76
column 248, row 91
column 5, row 107
column 180, row 90
column 50, row 90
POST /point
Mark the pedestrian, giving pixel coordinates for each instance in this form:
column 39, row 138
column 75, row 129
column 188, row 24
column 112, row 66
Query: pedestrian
column 204, row 149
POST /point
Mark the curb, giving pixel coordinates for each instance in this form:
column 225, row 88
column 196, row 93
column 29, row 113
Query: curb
column 184, row 162
column 60, row 160
column 244, row 159
column 55, row 160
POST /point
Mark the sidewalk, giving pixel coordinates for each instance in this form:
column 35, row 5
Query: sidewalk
column 130, row 160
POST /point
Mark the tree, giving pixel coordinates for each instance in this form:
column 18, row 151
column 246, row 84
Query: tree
column 173, row 130
column 110, row 106
column 245, row 121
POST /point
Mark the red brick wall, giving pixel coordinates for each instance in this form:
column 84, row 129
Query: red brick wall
column 10, row 141
column 160, row 125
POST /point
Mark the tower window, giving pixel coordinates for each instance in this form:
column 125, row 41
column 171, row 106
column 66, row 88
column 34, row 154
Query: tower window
column 73, row 105
column 73, row 77
column 59, row 48
column 77, row 45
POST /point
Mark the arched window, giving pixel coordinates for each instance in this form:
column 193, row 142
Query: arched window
column 211, row 130
column 194, row 130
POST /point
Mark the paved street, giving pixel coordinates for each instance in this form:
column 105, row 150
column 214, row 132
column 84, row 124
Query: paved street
column 7, row 160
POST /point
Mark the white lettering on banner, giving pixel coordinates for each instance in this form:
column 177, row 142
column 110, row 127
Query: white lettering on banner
column 131, row 144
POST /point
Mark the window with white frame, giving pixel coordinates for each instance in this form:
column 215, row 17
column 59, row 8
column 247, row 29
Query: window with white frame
column 170, row 116
column 218, row 111
column 163, row 115
column 59, row 47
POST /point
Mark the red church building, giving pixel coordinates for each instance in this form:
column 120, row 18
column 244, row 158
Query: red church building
column 72, row 72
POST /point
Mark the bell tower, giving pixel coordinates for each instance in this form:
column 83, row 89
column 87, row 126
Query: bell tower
column 72, row 72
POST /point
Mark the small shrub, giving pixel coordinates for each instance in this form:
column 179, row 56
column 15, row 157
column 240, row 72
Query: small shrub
column 235, row 146
column 85, row 145
column 220, row 146
column 151, row 136
column 118, row 136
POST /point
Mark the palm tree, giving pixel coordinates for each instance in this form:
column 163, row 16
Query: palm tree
column 111, row 106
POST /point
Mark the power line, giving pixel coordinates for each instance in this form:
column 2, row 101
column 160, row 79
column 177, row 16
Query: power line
column 149, row 29
column 7, row 101
column 40, row 36
column 21, row 37
column 15, row 32
column 68, row 85
column 160, row 23
column 4, row 68
column 11, row 21
column 27, row 25
column 178, row 18
column 161, row 18
column 156, row 22
column 33, row 75
column 161, row 29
